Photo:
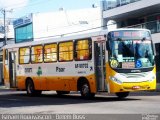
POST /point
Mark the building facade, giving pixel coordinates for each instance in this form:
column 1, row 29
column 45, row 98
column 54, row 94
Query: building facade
column 135, row 14
column 41, row 26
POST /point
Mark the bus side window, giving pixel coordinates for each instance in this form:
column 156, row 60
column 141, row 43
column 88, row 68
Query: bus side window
column 24, row 55
column 83, row 50
column 37, row 54
column 50, row 52
column 66, row 51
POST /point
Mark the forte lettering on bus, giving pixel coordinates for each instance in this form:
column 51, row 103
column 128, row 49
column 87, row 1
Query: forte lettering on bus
column 58, row 69
column 84, row 65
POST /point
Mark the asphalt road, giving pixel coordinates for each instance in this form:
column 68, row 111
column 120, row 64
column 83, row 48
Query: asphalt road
column 17, row 102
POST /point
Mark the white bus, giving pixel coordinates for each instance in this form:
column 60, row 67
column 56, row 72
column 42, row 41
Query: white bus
column 119, row 61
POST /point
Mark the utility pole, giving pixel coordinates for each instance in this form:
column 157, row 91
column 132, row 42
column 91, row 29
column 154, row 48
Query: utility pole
column 4, row 20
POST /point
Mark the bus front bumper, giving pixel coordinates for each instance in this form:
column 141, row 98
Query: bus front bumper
column 131, row 86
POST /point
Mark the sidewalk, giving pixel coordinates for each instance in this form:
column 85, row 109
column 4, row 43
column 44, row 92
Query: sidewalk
column 158, row 87
column 4, row 88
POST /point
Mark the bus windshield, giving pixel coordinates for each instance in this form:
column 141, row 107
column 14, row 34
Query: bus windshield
column 128, row 52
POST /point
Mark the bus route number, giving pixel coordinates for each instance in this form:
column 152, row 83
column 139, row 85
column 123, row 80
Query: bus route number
column 84, row 65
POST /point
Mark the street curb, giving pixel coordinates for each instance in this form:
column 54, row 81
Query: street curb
column 3, row 87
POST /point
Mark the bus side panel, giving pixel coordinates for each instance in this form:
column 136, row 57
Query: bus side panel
column 65, row 83
column 68, row 83
column 54, row 83
column 6, row 75
column 92, row 83
column 5, row 70
column 72, row 84
column 39, row 83
column 21, row 82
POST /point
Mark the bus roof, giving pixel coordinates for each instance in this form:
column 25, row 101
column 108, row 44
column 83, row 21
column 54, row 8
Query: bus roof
column 65, row 38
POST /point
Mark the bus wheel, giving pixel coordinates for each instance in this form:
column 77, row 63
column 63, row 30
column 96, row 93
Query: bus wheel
column 30, row 88
column 62, row 92
column 122, row 95
column 85, row 91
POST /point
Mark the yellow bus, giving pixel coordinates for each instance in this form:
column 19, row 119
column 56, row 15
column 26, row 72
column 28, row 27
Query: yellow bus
column 118, row 61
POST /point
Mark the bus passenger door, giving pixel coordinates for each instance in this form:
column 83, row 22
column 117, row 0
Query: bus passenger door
column 100, row 67
column 12, row 69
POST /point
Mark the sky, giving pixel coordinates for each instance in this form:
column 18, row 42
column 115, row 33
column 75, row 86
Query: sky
column 22, row 8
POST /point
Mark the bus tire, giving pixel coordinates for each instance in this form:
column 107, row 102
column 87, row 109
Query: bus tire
column 62, row 92
column 122, row 95
column 30, row 88
column 86, row 92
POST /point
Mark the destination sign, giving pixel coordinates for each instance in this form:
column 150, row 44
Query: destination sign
column 131, row 34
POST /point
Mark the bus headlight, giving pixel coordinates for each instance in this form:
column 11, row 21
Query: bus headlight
column 151, row 78
column 115, row 80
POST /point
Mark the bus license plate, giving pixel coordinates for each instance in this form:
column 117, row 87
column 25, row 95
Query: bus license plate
column 136, row 87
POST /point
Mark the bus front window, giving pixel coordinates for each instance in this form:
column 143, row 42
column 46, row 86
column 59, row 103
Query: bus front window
column 144, row 54
column 131, row 53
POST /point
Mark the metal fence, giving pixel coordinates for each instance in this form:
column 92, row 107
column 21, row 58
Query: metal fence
column 153, row 26
column 110, row 4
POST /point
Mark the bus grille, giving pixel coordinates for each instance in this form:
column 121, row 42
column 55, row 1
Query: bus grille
column 134, row 75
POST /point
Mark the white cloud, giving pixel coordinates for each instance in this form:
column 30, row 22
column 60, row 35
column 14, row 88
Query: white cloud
column 9, row 4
